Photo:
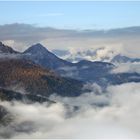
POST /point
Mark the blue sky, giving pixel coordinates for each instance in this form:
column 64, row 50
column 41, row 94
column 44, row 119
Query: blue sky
column 75, row 15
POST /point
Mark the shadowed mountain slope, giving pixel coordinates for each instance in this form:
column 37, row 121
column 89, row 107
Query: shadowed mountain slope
column 35, row 79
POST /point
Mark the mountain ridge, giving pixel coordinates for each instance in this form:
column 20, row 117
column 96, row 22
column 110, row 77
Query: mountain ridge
column 44, row 56
column 124, row 59
column 35, row 79
column 84, row 70
column 7, row 49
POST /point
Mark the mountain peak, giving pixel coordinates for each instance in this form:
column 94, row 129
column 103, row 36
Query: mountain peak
column 36, row 48
column 38, row 45
column 6, row 49
column 123, row 59
column 120, row 59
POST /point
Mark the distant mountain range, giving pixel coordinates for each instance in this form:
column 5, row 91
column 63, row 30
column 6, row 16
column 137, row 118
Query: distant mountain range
column 124, row 59
column 91, row 55
column 83, row 70
column 42, row 73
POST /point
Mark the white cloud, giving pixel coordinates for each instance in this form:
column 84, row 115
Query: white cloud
column 9, row 42
column 24, row 35
column 118, row 119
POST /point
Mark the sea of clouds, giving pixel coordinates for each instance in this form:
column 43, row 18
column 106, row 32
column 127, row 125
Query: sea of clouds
column 113, row 113
column 110, row 113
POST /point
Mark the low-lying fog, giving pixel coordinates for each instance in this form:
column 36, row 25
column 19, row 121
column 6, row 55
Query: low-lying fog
column 113, row 113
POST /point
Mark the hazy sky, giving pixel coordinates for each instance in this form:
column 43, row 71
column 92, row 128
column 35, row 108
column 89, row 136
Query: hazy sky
column 77, row 15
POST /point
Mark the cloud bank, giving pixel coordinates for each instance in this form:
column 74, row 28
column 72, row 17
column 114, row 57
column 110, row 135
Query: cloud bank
column 117, row 119
column 21, row 36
